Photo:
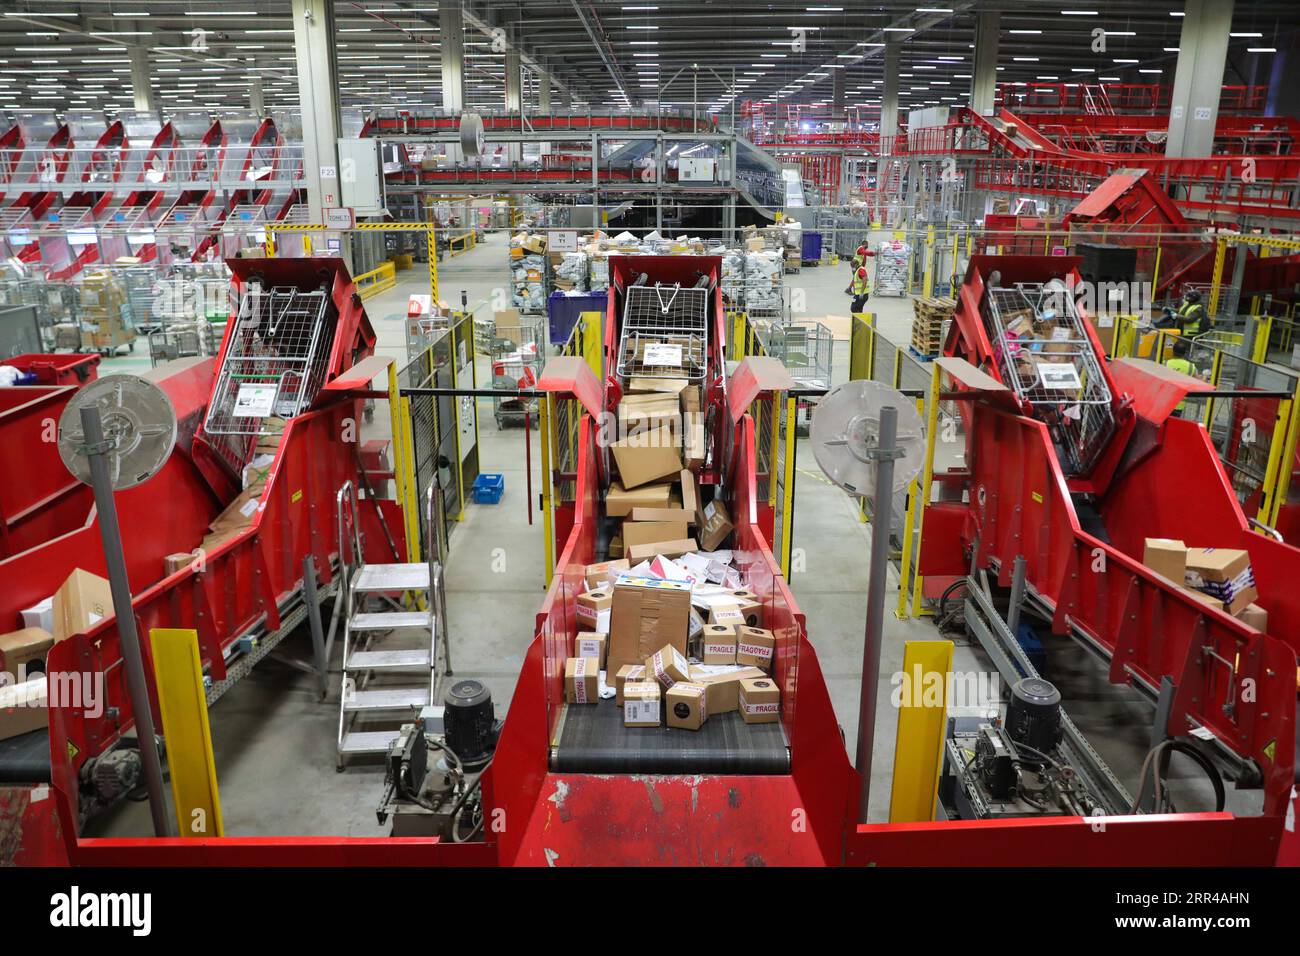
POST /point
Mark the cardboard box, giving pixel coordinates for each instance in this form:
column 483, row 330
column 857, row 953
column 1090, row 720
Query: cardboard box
column 694, row 448
column 727, row 614
column 638, row 385
column 714, row 526
column 676, row 515
column 40, row 615
column 178, row 561
column 590, row 644
column 640, row 704
column 691, row 398
column 633, row 673
column 648, row 532
column 686, row 705
column 23, row 652
column 240, row 512
column 605, row 573
column 1202, row 597
column 83, row 600
column 1252, row 615
column 23, row 707
column 690, row 486
column 582, row 680
column 647, row 456
column 667, row 665
column 723, row 684
column 593, row 609
column 755, row 647
column 760, row 701
column 1224, row 574
column 619, row 500
column 719, row 644
column 749, row 605
column 647, row 614
column 668, row 549
column 1167, row 557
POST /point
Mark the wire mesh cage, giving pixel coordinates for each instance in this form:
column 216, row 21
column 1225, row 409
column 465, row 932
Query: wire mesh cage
column 804, row 347
column 275, row 362
column 665, row 332
column 1046, row 356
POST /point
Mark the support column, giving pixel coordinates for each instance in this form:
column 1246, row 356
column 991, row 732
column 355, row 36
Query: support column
column 984, row 71
column 141, row 87
column 313, row 47
column 451, row 37
column 889, row 95
column 514, row 95
column 838, row 111
column 256, row 100
column 1198, row 80
column 544, row 93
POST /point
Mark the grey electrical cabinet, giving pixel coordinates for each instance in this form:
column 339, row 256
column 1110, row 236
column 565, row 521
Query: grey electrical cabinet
column 361, row 176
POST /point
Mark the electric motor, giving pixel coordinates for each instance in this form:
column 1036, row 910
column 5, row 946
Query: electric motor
column 468, row 722
column 1034, row 714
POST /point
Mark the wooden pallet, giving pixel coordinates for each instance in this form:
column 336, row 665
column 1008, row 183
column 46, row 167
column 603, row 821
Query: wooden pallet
column 929, row 316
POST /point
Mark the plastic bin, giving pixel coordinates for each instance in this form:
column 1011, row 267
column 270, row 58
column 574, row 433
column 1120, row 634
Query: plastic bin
column 812, row 246
column 56, row 369
column 488, row 489
column 563, row 311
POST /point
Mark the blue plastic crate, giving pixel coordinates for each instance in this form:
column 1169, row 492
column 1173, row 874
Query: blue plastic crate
column 488, row 489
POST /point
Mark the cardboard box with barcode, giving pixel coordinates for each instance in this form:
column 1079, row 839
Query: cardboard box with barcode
column 628, row 673
column 1166, row 557
column 718, row 644
column 648, row 456
column 667, row 665
column 760, row 701
column 22, row 652
column 641, row 704
column 81, row 602
column 686, row 705
column 23, row 707
column 581, row 680
column 755, row 646
column 714, row 524
column 647, row 614
column 668, row 549
column 605, row 573
column 590, row 644
column 723, row 684
column 620, row 500
column 1224, row 574
column 592, row 609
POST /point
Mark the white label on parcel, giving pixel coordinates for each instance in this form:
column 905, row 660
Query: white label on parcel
column 663, row 355
column 254, row 401
column 1059, row 375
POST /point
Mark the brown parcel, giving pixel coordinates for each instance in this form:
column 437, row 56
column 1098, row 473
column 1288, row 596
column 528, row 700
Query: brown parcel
column 627, row 673
column 719, row 644
column 667, row 665
column 1166, row 556
column 598, row 574
column 646, row 457
column 728, row 614
column 676, row 515
column 593, row 609
column 80, row 603
column 749, row 605
column 694, row 448
column 589, row 644
column 714, row 526
column 648, row 532
column 582, row 680
column 755, row 646
column 648, row 613
column 687, row 705
column 620, row 501
column 669, row 549
column 690, row 494
column 724, row 689
column 1252, row 616
column 1221, row 566
column 20, row 648
column 640, row 704
column 760, row 701
column 23, row 707
column 1202, row 597
column 176, row 562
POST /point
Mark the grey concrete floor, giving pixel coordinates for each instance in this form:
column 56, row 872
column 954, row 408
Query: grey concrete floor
column 274, row 741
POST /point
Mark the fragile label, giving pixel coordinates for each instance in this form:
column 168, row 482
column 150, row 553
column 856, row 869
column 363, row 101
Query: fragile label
column 597, row 620
column 254, row 401
column 579, row 684
column 754, row 650
column 749, row 708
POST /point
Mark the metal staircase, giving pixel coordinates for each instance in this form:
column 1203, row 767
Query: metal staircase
column 394, row 648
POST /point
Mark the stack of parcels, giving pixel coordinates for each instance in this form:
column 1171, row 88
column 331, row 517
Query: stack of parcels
column 682, row 639
column 528, row 272
column 1220, row 577
column 670, row 355
column 103, row 312
column 733, row 276
column 570, row 269
column 1036, row 340
column 241, row 513
column 763, row 271
column 892, row 258
column 659, row 443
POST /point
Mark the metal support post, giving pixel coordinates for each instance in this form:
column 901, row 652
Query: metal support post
column 314, row 619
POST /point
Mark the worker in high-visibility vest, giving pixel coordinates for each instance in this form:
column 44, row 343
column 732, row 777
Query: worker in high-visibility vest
column 1190, row 316
column 1181, row 363
column 859, row 261
column 860, row 289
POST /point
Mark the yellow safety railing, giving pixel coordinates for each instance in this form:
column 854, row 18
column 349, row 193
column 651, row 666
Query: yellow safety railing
column 462, row 243
column 376, row 280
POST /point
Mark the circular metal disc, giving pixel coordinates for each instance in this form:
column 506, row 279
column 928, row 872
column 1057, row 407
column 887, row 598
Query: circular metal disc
column 845, row 431
column 471, row 134
column 139, row 427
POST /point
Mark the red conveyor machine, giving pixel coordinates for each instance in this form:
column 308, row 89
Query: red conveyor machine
column 1158, row 476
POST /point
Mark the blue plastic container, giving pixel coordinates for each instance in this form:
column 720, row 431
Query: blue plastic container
column 812, row 246
column 488, row 489
column 563, row 311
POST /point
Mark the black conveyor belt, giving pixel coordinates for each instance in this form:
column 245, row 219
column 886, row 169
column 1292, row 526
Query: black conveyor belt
column 594, row 740
column 26, row 758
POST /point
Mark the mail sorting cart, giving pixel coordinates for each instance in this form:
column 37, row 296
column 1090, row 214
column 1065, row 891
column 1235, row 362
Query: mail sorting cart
column 805, row 348
column 1045, row 355
column 517, row 369
column 665, row 331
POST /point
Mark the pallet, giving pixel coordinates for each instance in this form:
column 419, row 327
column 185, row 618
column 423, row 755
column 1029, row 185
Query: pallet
column 922, row 356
